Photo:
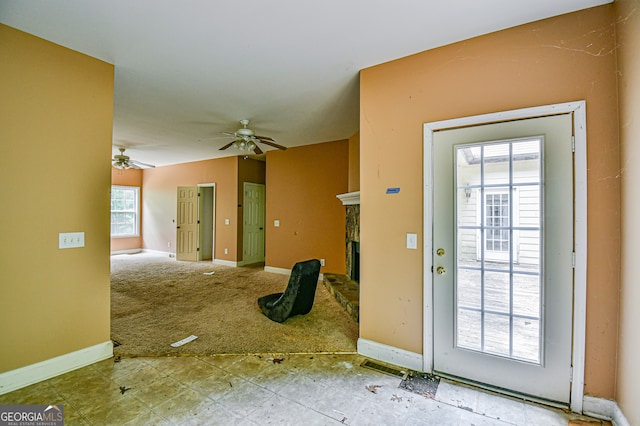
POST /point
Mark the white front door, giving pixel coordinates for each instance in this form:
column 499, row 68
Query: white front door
column 253, row 225
column 503, row 244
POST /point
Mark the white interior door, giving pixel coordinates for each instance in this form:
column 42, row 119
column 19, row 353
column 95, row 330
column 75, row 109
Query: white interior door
column 254, row 210
column 187, row 224
column 503, row 244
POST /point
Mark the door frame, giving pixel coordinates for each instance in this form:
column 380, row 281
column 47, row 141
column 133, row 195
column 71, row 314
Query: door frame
column 213, row 219
column 578, row 109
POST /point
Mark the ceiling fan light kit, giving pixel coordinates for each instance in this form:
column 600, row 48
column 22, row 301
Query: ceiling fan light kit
column 244, row 145
column 123, row 162
column 247, row 140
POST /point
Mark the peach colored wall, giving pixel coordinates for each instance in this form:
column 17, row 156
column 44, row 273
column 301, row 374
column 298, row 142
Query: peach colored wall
column 160, row 185
column 129, row 177
column 354, row 163
column 252, row 171
column 565, row 58
column 302, row 184
column 56, row 108
column 628, row 32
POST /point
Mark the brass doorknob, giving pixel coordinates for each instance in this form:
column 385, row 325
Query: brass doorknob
column 440, row 252
column 440, row 270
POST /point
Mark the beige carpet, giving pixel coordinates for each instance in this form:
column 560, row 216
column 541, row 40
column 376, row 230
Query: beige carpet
column 156, row 301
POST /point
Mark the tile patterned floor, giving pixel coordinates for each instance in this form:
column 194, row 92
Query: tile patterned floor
column 260, row 390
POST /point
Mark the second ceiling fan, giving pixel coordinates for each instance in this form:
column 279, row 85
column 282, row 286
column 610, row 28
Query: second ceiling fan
column 247, row 140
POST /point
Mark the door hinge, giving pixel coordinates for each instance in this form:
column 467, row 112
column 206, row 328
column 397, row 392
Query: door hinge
column 573, row 260
column 573, row 144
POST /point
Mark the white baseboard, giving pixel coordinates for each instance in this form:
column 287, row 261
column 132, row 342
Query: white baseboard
column 605, row 409
column 274, row 270
column 284, row 271
column 34, row 373
column 159, row 252
column 223, row 262
column 130, row 251
column 390, row 354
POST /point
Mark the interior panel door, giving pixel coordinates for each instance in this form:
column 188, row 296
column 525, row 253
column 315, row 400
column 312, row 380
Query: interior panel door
column 187, row 224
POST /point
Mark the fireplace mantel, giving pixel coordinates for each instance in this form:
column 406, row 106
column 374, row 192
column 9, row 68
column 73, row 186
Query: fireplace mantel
column 350, row 198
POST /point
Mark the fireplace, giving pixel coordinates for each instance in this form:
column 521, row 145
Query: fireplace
column 346, row 287
column 352, row 250
column 354, row 273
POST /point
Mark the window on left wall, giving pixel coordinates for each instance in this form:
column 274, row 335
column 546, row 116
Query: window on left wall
column 125, row 211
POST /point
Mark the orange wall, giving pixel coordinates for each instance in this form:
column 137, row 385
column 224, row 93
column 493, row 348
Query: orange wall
column 628, row 31
column 55, row 126
column 159, row 186
column 129, row 177
column 160, row 202
column 302, row 184
column 565, row 58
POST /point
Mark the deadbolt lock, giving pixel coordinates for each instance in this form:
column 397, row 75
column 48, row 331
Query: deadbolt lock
column 440, row 270
column 440, row 252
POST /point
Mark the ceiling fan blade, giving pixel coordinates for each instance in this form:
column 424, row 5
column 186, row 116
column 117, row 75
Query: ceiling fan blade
column 275, row 145
column 228, row 134
column 264, row 137
column 257, row 150
column 140, row 165
column 226, row 146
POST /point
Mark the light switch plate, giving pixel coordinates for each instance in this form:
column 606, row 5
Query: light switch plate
column 276, row 223
column 70, row 240
column 412, row 241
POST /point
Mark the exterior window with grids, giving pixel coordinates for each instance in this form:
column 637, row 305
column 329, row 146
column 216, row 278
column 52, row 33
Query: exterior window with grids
column 125, row 211
column 496, row 237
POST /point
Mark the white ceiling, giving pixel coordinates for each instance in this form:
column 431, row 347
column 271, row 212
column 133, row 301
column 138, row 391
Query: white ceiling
column 187, row 70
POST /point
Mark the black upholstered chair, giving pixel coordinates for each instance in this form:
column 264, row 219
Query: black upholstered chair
column 298, row 297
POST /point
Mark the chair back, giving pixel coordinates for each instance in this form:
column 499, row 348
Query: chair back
column 303, row 281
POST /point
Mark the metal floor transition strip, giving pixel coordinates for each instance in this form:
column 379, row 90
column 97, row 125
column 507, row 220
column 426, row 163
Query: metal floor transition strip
column 393, row 371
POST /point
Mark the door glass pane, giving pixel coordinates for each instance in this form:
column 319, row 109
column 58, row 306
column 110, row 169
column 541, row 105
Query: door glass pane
column 498, row 248
column 469, row 333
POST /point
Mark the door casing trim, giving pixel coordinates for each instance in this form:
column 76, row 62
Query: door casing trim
column 213, row 236
column 578, row 109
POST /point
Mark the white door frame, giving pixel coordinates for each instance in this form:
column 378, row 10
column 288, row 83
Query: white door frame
column 213, row 236
column 578, row 109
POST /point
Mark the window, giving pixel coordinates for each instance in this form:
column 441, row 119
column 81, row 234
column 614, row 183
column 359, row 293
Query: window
column 125, row 211
column 496, row 217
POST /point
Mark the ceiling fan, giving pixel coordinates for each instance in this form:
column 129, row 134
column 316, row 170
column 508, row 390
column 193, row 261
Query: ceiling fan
column 122, row 161
column 246, row 139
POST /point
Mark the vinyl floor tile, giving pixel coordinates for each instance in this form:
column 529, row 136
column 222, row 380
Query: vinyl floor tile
column 249, row 390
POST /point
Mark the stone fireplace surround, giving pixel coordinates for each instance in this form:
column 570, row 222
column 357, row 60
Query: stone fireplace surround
column 351, row 201
column 345, row 289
